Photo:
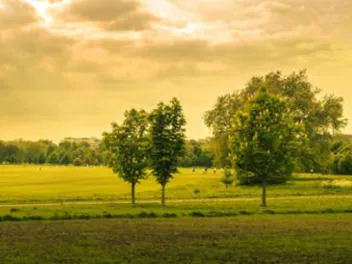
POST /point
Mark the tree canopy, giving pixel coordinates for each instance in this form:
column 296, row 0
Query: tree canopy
column 321, row 117
column 264, row 140
column 129, row 145
column 167, row 134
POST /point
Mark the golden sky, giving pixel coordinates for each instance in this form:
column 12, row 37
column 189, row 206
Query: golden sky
column 71, row 67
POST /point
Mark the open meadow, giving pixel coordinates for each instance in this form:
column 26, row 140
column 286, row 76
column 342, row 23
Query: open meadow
column 49, row 192
column 42, row 184
column 82, row 215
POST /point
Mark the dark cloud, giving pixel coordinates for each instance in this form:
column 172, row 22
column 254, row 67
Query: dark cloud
column 110, row 15
column 26, row 49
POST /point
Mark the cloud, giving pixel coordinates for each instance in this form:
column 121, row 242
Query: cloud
column 16, row 14
column 98, row 58
column 110, row 15
column 265, row 19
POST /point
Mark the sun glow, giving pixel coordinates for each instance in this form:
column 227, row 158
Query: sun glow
column 42, row 8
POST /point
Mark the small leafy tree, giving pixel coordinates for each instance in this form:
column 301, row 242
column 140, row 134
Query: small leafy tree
column 128, row 145
column 77, row 162
column 227, row 180
column 167, row 141
column 264, row 141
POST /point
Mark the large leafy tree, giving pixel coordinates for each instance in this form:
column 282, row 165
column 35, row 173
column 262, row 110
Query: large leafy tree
column 264, row 141
column 128, row 145
column 320, row 117
column 167, row 134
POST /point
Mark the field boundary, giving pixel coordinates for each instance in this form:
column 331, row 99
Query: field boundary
column 151, row 214
column 173, row 201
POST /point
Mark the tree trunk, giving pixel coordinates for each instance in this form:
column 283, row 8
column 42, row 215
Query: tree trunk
column 133, row 198
column 163, row 195
column 264, row 194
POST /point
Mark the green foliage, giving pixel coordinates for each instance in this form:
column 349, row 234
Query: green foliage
column 77, row 162
column 341, row 156
column 228, row 179
column 53, row 158
column 265, row 140
column 44, row 151
column 129, row 146
column 167, row 134
column 345, row 164
column 197, row 154
column 319, row 117
column 219, row 119
column 65, row 159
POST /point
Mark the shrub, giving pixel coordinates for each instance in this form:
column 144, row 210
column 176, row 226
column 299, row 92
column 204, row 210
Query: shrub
column 227, row 180
column 77, row 162
column 33, row 218
column 147, row 215
column 328, row 211
column 168, row 215
column 84, row 216
column 10, row 218
column 196, row 214
column 243, row 212
column 269, row 212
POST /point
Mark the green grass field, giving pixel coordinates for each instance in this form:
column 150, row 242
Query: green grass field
column 245, row 239
column 49, row 192
column 308, row 220
column 56, row 184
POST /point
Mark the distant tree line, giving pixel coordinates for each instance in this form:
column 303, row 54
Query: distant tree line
column 47, row 152
column 197, row 153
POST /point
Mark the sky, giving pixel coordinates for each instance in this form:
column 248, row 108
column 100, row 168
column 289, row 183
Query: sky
column 71, row 67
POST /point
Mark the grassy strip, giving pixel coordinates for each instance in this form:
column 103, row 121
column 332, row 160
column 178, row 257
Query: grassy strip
column 308, row 205
column 144, row 214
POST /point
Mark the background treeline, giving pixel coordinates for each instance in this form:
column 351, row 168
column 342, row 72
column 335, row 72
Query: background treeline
column 341, row 155
column 199, row 153
column 82, row 152
column 45, row 151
